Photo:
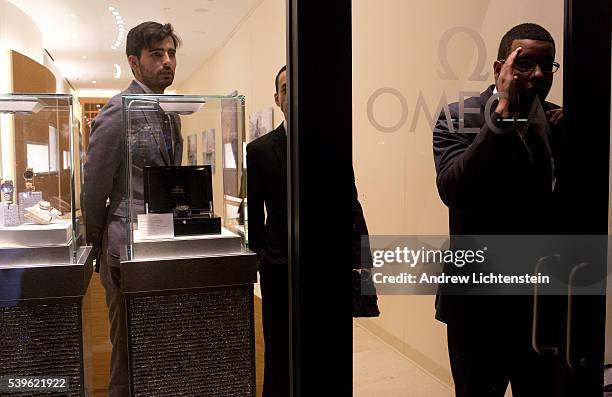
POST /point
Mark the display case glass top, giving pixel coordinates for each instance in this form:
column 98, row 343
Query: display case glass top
column 186, row 169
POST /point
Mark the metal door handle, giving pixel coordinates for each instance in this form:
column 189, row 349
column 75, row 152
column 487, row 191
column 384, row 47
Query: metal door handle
column 535, row 326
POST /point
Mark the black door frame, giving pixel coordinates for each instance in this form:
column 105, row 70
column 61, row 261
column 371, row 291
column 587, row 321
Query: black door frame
column 320, row 156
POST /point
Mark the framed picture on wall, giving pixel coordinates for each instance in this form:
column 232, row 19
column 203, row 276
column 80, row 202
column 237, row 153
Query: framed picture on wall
column 37, row 157
column 260, row 123
column 192, row 149
column 208, row 148
column 229, row 139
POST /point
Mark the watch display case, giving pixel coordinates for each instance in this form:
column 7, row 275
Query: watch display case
column 44, row 269
column 40, row 213
column 186, row 259
column 176, row 186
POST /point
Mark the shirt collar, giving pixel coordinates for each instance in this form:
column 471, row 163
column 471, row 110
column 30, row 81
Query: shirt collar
column 146, row 89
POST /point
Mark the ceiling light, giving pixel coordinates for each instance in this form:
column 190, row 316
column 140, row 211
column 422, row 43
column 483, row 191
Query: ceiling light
column 111, row 8
column 84, row 57
column 94, row 82
column 117, row 70
column 118, row 17
column 119, row 22
column 114, row 48
column 115, row 12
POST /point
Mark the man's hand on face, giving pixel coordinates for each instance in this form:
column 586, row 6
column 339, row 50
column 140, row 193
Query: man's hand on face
column 555, row 116
column 507, row 85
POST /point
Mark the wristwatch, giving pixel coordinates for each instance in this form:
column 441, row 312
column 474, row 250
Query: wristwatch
column 7, row 191
column 182, row 211
column 28, row 174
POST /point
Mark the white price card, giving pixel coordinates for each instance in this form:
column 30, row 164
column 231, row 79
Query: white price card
column 155, row 226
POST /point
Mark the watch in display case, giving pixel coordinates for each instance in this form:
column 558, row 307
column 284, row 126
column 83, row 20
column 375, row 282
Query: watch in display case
column 7, row 189
column 28, row 175
column 42, row 213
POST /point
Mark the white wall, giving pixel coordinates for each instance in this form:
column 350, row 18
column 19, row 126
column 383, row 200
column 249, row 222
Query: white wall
column 19, row 32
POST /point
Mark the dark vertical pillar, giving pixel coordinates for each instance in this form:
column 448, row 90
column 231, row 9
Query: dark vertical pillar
column 320, row 156
column 586, row 101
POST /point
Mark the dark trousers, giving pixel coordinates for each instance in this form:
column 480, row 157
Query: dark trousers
column 484, row 359
column 274, row 285
column 111, row 281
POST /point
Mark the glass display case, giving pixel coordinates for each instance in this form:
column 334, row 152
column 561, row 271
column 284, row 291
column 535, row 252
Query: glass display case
column 41, row 179
column 186, row 175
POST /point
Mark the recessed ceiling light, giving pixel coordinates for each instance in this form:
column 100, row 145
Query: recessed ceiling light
column 111, row 8
column 94, row 82
column 115, row 12
column 114, row 48
column 119, row 22
column 118, row 17
column 84, row 57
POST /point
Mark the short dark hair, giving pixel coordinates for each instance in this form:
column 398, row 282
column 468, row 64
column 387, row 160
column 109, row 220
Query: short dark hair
column 278, row 75
column 145, row 35
column 523, row 31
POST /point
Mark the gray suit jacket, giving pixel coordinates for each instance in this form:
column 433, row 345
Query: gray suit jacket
column 105, row 169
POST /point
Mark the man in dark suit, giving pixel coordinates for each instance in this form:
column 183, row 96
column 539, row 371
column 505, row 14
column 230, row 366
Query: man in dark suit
column 155, row 139
column 501, row 178
column 267, row 185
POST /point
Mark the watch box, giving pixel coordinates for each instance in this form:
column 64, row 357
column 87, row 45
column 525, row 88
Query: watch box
column 184, row 191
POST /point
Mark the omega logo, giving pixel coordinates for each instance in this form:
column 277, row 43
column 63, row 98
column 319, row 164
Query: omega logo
column 445, row 73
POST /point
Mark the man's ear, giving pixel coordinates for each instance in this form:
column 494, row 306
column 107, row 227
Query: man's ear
column 497, row 65
column 276, row 99
column 133, row 61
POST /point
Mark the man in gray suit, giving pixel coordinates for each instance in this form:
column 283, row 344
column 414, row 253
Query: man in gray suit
column 155, row 139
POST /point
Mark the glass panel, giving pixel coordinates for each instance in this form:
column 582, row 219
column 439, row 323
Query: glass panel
column 174, row 185
column 39, row 201
column 411, row 61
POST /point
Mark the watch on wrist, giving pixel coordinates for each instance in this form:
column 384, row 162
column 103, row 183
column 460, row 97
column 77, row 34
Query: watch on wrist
column 28, row 174
column 7, row 190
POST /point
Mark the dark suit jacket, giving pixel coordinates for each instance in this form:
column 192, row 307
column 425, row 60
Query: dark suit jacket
column 105, row 171
column 493, row 185
column 267, row 185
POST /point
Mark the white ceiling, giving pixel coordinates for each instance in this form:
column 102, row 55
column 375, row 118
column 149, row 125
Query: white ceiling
column 75, row 29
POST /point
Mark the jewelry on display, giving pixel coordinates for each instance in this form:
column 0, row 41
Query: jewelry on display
column 7, row 189
column 182, row 211
column 42, row 213
column 28, row 174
